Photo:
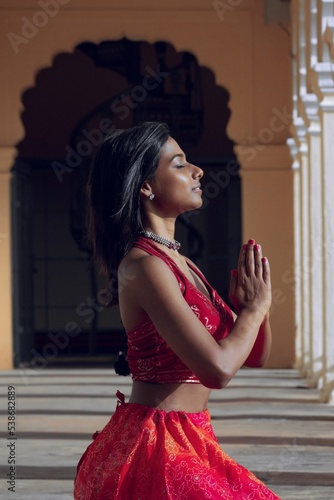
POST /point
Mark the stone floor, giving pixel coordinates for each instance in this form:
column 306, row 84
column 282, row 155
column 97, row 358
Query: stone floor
column 268, row 420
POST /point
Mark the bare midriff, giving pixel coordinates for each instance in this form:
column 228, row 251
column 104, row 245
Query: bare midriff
column 189, row 397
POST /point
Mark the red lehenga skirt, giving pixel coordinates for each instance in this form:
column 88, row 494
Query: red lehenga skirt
column 148, row 454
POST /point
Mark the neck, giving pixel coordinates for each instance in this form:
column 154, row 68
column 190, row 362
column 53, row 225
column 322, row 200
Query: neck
column 171, row 244
column 162, row 227
column 162, row 233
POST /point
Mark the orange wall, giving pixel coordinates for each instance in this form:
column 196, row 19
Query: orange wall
column 250, row 59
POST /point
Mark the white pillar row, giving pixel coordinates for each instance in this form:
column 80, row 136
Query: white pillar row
column 315, row 268
column 324, row 85
column 312, row 148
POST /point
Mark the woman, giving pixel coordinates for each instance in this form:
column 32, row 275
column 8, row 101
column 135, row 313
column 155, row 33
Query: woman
column 183, row 340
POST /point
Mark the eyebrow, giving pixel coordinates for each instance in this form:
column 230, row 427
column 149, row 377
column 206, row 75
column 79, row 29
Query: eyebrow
column 179, row 155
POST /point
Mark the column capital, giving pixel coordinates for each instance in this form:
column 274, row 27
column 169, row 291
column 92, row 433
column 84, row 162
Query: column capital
column 310, row 110
column 299, row 131
column 294, row 153
column 323, row 84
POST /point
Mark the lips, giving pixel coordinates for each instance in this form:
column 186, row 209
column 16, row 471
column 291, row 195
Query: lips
column 197, row 187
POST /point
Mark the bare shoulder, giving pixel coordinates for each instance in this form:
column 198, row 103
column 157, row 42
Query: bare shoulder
column 139, row 267
column 138, row 260
column 145, row 284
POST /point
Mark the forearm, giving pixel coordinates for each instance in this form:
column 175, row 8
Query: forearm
column 262, row 345
column 239, row 344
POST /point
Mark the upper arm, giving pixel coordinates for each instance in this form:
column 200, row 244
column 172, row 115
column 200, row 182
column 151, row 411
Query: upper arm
column 156, row 290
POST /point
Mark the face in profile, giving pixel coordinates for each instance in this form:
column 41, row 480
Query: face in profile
column 176, row 184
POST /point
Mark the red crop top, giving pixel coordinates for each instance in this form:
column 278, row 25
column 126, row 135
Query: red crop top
column 149, row 356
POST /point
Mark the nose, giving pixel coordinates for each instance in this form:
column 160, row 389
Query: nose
column 198, row 172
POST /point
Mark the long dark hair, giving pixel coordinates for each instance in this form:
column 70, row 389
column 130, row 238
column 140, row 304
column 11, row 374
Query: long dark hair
column 124, row 161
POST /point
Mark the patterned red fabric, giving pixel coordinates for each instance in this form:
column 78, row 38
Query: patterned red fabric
column 149, row 357
column 149, row 454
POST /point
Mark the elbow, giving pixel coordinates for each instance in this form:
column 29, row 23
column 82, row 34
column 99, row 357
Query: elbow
column 256, row 362
column 261, row 363
column 216, row 378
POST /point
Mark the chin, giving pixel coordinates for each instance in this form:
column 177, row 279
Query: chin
column 199, row 204
column 194, row 206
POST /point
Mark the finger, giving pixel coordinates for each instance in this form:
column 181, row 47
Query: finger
column 250, row 258
column 266, row 271
column 257, row 261
column 241, row 261
column 234, row 274
column 233, row 282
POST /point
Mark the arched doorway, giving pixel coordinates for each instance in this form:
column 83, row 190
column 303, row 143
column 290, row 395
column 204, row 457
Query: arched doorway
column 58, row 312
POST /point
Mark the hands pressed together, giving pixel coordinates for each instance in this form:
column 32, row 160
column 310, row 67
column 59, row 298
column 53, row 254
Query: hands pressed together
column 250, row 286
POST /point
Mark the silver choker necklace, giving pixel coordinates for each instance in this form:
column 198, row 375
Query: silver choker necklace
column 173, row 244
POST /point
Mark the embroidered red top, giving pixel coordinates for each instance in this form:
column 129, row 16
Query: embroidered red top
column 149, row 356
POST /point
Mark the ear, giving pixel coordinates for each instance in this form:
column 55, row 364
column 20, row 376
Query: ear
column 146, row 189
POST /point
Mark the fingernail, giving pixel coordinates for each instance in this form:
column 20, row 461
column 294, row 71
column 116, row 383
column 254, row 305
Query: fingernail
column 264, row 260
column 251, row 242
column 245, row 247
column 234, row 272
column 257, row 247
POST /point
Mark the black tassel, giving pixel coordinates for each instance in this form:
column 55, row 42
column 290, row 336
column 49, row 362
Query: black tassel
column 121, row 365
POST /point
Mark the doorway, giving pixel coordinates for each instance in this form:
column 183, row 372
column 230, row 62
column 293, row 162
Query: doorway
column 58, row 311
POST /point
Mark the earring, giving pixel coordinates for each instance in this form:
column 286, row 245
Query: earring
column 151, row 196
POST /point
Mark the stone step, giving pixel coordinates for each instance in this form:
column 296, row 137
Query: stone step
column 273, row 410
column 286, row 462
column 267, row 420
column 302, row 492
column 248, row 430
column 38, row 489
column 104, row 375
column 232, row 394
column 49, row 489
column 265, row 431
column 239, row 408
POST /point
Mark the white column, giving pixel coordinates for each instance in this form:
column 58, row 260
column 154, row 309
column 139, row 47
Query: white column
column 313, row 267
column 325, row 30
column 304, row 278
column 297, row 253
column 324, row 85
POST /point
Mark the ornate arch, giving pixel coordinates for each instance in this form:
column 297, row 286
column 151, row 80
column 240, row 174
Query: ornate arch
column 74, row 103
